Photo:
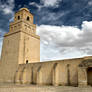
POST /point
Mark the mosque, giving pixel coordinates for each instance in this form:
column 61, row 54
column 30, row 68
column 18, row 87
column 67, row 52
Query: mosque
column 20, row 59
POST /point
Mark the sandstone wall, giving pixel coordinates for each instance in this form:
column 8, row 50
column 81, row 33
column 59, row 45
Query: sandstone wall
column 9, row 57
column 62, row 72
column 29, row 48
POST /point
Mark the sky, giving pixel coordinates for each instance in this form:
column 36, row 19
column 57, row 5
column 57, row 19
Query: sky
column 64, row 26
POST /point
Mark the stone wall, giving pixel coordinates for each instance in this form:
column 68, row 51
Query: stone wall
column 29, row 48
column 62, row 72
column 9, row 57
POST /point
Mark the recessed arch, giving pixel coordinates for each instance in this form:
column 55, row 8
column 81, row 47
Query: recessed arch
column 26, row 61
column 89, row 76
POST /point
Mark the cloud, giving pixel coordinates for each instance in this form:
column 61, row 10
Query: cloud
column 7, row 7
column 1, row 39
column 68, row 12
column 51, row 18
column 59, row 42
column 46, row 3
column 50, row 3
column 90, row 3
column 36, row 5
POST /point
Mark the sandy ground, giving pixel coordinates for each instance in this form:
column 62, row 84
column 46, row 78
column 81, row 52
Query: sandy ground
column 34, row 88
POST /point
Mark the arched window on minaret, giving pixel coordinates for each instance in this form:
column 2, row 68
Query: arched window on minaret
column 28, row 18
column 18, row 17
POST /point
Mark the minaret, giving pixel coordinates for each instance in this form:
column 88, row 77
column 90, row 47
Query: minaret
column 21, row 45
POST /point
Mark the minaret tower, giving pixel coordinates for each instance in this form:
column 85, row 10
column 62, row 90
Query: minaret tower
column 21, row 45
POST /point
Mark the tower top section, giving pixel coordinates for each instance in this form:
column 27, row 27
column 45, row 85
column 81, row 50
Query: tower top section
column 23, row 21
column 23, row 14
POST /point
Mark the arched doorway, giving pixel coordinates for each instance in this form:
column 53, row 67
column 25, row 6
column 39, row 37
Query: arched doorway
column 89, row 73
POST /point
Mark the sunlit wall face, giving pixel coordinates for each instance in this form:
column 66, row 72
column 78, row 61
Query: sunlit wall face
column 54, row 18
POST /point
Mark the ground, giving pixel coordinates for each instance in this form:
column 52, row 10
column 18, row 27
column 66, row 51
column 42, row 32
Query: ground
column 33, row 88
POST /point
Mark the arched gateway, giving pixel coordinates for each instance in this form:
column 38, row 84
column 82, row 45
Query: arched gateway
column 89, row 76
column 85, row 73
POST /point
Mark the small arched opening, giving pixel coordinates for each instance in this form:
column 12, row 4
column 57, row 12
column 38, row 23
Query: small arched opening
column 28, row 18
column 18, row 17
column 26, row 61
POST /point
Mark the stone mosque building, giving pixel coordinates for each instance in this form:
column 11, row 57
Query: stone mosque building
column 20, row 59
